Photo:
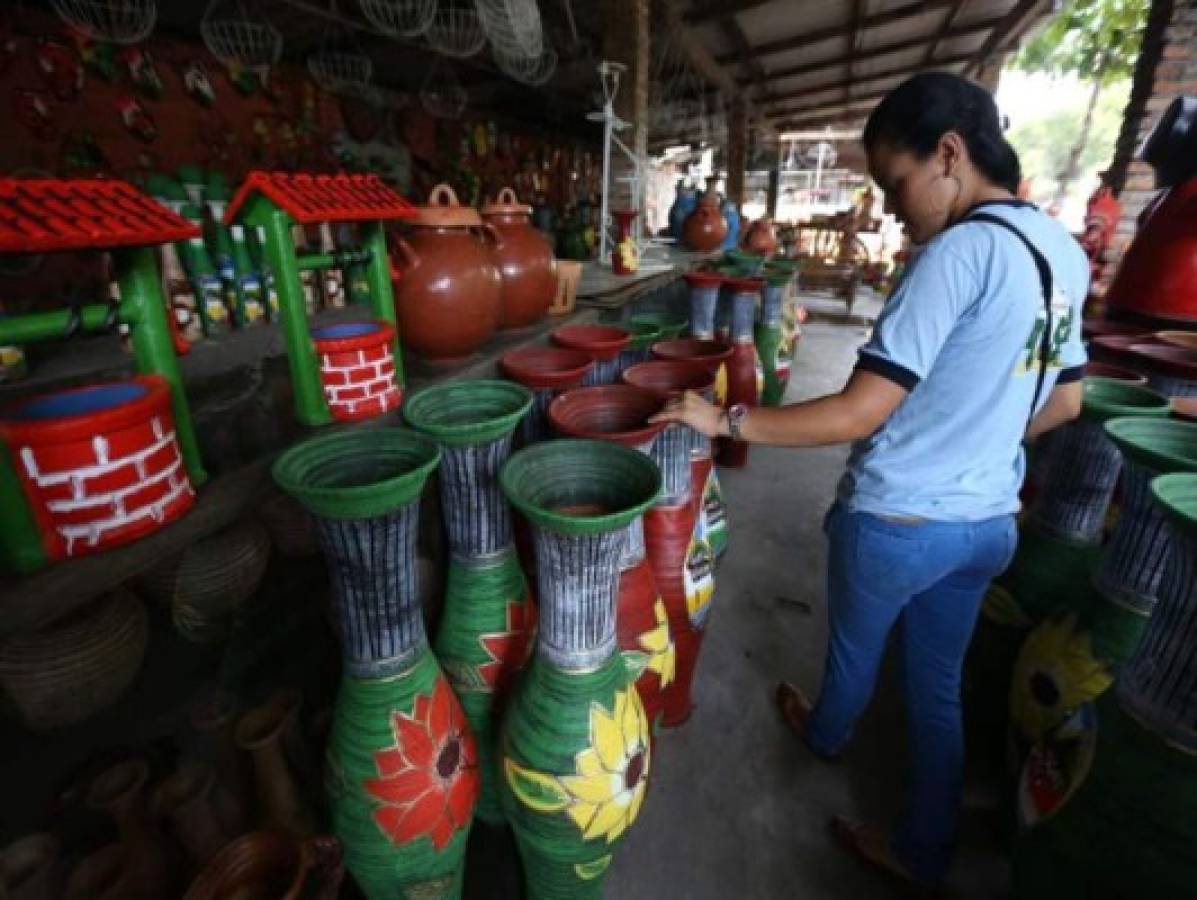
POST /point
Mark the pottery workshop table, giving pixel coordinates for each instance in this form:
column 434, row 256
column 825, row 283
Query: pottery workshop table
column 30, row 602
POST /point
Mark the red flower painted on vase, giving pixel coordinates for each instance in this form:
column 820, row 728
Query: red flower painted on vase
column 509, row 649
column 428, row 780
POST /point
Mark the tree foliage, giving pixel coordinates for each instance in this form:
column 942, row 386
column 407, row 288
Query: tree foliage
column 1092, row 39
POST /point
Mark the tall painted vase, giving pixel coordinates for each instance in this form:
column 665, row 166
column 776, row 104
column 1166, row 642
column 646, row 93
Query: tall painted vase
column 776, row 354
column 546, row 371
column 604, row 343
column 708, row 496
column 620, row 413
column 639, row 348
column 742, row 365
column 401, row 768
column 678, row 549
column 1121, row 821
column 704, row 295
column 576, row 746
column 486, row 630
column 684, row 202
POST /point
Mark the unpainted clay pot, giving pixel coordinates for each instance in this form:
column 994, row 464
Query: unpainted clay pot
column 705, row 228
column 525, row 260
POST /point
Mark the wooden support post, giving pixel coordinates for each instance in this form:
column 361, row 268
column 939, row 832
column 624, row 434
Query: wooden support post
column 774, row 195
column 626, row 40
column 737, row 152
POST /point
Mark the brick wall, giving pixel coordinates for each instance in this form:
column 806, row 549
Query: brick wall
column 1167, row 68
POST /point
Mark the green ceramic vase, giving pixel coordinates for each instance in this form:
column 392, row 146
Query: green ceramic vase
column 485, row 633
column 576, row 747
column 401, row 768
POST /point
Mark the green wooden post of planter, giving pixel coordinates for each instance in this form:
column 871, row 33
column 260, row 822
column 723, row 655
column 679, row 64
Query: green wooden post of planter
column 575, row 748
column 768, row 337
column 378, row 277
column 1123, row 823
column 486, row 629
column 401, row 764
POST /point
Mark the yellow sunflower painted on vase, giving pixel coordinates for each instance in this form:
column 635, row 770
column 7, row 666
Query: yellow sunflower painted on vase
column 662, row 656
column 1055, row 673
column 604, row 795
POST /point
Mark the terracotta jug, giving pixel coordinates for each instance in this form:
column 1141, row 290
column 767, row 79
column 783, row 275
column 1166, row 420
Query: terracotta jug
column 525, row 261
column 261, row 732
column 447, row 297
column 29, row 868
column 187, row 799
column 761, row 238
column 213, row 718
column 274, row 865
column 705, row 228
column 146, row 858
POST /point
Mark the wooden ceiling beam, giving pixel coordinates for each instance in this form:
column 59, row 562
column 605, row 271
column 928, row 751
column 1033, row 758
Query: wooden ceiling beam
column 886, row 50
column 870, row 98
column 720, row 9
column 806, row 39
column 1013, row 23
column 893, row 72
column 944, row 27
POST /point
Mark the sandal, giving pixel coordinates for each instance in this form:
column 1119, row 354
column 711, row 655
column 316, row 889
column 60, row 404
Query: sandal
column 795, row 710
column 871, row 846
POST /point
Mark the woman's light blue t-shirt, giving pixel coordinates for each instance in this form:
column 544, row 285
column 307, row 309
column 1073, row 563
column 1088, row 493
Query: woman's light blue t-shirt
column 962, row 332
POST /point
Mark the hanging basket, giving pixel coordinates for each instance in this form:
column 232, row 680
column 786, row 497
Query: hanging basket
column 513, row 27
column 402, row 18
column 535, row 70
column 341, row 71
column 111, row 21
column 237, row 38
column 442, row 94
column 456, row 31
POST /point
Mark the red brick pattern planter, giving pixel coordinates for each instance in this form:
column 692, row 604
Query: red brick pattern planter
column 357, row 369
column 100, row 465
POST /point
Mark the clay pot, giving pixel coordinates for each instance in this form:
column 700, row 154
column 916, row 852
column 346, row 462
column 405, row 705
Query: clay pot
column 146, row 858
column 272, row 865
column 761, row 238
column 281, row 804
column 102, row 876
column 1096, row 369
column 448, row 295
column 604, row 343
column 78, row 665
column 1186, row 339
column 547, row 371
column 525, row 261
column 213, row 718
column 188, row 800
column 705, row 228
column 29, row 868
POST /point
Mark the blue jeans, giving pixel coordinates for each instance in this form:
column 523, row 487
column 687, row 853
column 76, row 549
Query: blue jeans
column 932, row 575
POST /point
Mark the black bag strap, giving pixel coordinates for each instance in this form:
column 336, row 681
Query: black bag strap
column 1045, row 281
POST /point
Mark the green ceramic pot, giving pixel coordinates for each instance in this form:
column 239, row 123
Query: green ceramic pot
column 576, row 749
column 401, row 766
column 489, row 619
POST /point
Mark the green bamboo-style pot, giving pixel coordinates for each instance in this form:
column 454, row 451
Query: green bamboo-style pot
column 671, row 326
column 576, row 748
column 775, row 366
column 401, row 764
column 486, row 629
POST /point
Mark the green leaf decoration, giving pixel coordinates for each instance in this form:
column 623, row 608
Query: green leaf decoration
column 593, row 869
column 635, row 662
column 535, row 790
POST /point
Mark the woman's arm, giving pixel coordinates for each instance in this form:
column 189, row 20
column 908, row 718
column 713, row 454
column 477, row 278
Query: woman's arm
column 857, row 411
column 1063, row 405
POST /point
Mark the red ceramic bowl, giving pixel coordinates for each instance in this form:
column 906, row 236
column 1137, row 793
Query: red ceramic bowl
column 1176, row 362
column 708, row 353
column 600, row 341
column 546, row 367
column 1118, row 373
column 1186, row 339
column 610, row 412
column 670, row 377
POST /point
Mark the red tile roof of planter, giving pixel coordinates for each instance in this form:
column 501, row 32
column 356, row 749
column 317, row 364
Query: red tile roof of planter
column 43, row 214
column 324, row 198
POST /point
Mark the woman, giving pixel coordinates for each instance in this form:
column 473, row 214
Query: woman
column 977, row 349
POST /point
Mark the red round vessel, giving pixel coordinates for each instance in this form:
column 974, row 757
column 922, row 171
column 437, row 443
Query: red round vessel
column 99, row 465
column 525, row 260
column 357, row 368
column 448, row 295
column 761, row 238
column 604, row 343
column 705, row 228
column 546, row 367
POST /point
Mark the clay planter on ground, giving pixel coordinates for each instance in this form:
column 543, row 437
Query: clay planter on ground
column 525, row 261
column 620, row 413
column 448, row 294
column 604, row 343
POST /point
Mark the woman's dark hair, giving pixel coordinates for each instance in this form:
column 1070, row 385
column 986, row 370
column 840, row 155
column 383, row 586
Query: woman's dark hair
column 921, row 110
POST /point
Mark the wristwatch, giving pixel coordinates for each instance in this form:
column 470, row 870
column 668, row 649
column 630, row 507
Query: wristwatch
column 736, row 414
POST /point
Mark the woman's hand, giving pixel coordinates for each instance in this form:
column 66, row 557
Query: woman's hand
column 691, row 409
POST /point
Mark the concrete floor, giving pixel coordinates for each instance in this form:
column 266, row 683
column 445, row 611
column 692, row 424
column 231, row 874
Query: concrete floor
column 738, row 808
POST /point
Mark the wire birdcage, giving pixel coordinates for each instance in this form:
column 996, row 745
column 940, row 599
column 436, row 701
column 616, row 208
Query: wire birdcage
column 456, row 30
column 339, row 65
column 533, row 70
column 113, row 21
column 513, row 27
column 236, row 37
column 442, row 94
column 403, row 18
